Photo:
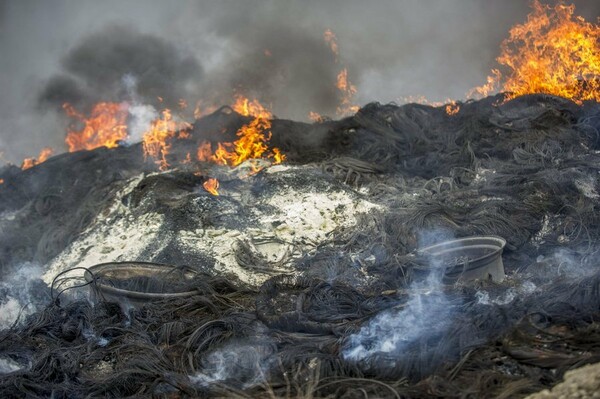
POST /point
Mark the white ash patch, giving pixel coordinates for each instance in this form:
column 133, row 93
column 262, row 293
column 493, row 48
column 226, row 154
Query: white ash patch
column 481, row 175
column 128, row 238
column 116, row 235
column 308, row 217
column 298, row 223
column 289, row 223
column 8, row 216
column 546, row 229
column 587, row 187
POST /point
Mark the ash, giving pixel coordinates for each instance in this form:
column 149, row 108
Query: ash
column 309, row 284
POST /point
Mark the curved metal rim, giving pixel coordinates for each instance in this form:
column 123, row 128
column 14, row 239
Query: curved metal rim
column 497, row 239
column 103, row 288
column 476, row 263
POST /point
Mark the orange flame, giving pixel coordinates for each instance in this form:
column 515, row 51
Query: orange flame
column 156, row 142
column 452, row 108
column 204, row 153
column 201, row 111
column 42, row 157
column 315, row 116
column 553, row 52
column 253, row 138
column 1, row 181
column 211, row 185
column 105, row 127
column 331, row 41
column 278, row 157
column 347, row 90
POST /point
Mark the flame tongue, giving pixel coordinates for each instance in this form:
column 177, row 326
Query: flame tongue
column 253, row 138
column 251, row 145
column 554, row 52
column 347, row 91
column 105, row 127
column 211, row 185
column 157, row 140
column 42, row 157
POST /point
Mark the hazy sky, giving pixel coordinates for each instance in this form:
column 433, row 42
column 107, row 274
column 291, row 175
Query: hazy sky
column 80, row 50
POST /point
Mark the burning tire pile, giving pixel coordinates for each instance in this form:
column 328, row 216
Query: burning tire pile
column 292, row 296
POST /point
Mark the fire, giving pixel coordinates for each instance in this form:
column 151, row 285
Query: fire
column 553, row 52
column 200, row 110
column 1, row 181
column 253, row 138
column 452, row 108
column 252, row 142
column 204, row 153
column 211, row 185
column 244, row 106
column 331, row 41
column 156, row 142
column 347, row 90
column 278, row 157
column 42, row 157
column 105, row 127
column 315, row 116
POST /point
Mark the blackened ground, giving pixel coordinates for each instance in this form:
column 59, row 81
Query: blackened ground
column 526, row 170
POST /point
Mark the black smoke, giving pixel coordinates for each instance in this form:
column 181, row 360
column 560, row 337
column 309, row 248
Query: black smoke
column 118, row 63
column 86, row 51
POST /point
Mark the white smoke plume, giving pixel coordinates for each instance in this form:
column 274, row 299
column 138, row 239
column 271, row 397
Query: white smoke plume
column 241, row 364
column 9, row 366
column 427, row 313
column 21, row 294
column 140, row 115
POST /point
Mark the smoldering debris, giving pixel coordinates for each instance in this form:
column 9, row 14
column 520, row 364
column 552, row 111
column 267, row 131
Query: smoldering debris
column 309, row 281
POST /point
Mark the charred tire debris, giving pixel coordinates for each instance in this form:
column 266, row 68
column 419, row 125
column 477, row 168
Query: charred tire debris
column 525, row 170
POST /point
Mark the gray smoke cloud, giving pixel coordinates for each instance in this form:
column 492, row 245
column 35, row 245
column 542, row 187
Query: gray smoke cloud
column 22, row 293
column 80, row 52
column 99, row 68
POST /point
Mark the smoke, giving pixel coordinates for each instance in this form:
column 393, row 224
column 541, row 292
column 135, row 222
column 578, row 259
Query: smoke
column 239, row 364
column 8, row 366
column 103, row 66
column 564, row 263
column 507, row 296
column 426, row 314
column 79, row 52
column 21, row 293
